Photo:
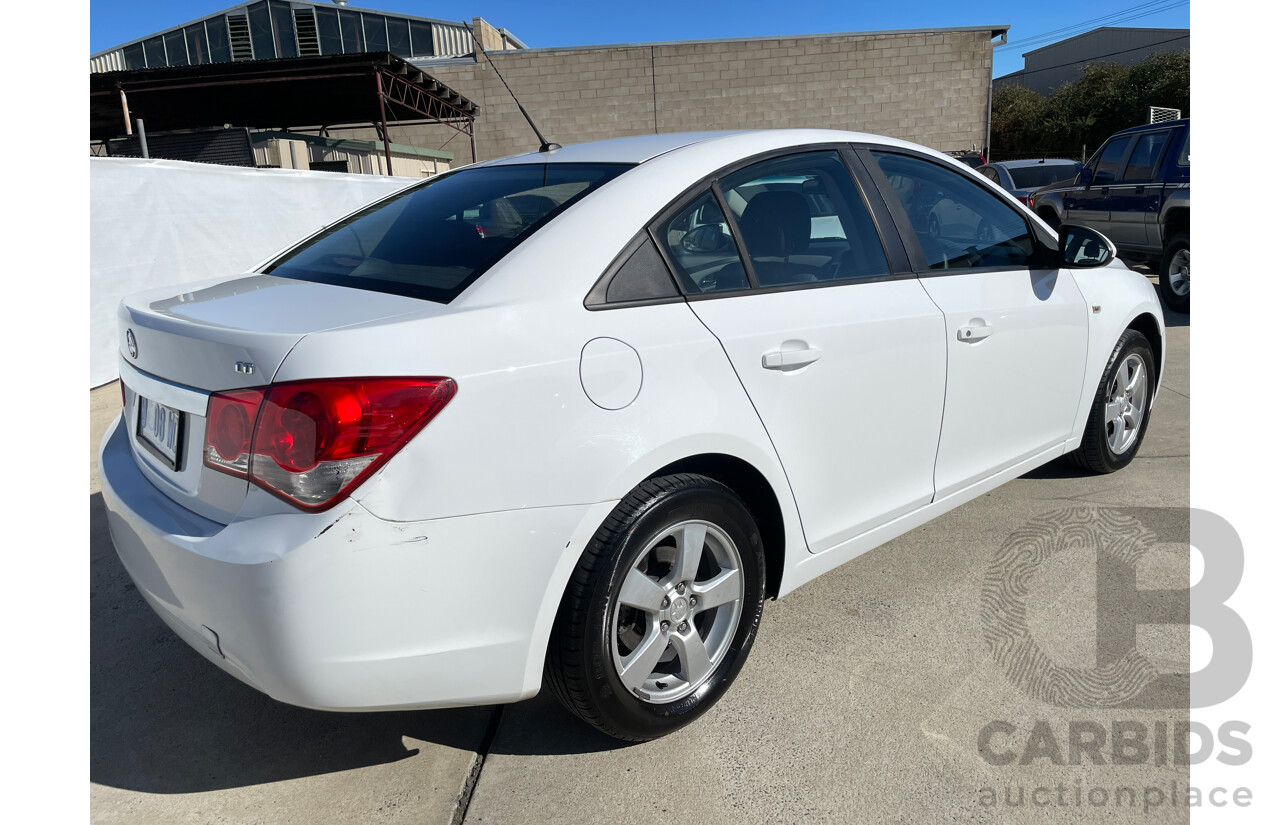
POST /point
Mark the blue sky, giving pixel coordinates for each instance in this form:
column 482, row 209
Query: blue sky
column 112, row 22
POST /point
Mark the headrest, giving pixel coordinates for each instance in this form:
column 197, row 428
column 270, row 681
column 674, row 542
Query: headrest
column 775, row 224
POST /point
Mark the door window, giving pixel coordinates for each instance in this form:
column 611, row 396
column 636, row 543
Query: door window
column 960, row 225
column 700, row 246
column 1146, row 156
column 1106, row 167
column 803, row 220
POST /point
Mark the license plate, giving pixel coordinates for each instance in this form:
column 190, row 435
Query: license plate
column 160, row 431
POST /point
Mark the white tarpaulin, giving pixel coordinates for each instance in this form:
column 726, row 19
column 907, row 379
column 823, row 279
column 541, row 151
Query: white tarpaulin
column 153, row 223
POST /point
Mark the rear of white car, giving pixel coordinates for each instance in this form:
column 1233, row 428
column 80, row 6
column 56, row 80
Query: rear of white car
column 234, row 477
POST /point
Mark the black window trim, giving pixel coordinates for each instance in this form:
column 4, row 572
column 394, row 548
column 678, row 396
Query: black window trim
column 1045, row 246
column 899, row 269
column 596, row 301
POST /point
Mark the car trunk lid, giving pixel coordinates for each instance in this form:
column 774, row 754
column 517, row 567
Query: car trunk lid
column 177, row 349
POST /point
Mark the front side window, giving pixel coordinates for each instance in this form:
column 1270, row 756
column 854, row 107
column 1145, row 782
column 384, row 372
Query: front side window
column 803, row 220
column 434, row 240
column 1106, row 167
column 960, row 225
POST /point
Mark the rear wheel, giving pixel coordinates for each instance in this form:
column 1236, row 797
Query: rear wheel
column 1118, row 418
column 662, row 611
column 1175, row 274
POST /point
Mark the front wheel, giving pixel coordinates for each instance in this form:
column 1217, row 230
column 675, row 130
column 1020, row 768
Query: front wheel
column 662, row 610
column 1175, row 274
column 1118, row 418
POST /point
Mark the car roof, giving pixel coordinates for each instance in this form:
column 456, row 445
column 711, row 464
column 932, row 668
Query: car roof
column 1146, row 127
column 733, row 144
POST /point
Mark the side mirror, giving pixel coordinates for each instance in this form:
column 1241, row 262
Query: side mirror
column 1084, row 248
column 1085, row 178
column 708, row 238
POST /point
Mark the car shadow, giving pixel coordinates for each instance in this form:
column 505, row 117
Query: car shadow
column 164, row 720
column 1175, row 319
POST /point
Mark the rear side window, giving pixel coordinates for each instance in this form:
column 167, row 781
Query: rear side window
column 1145, row 157
column 699, row 244
column 435, row 239
column 1033, row 177
column 803, row 220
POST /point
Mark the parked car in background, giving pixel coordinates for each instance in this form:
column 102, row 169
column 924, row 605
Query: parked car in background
column 971, row 158
column 1022, row 177
column 1136, row 190
column 409, row 464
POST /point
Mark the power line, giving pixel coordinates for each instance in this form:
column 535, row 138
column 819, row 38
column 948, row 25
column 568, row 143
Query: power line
column 1031, row 37
column 1096, row 58
column 1123, row 16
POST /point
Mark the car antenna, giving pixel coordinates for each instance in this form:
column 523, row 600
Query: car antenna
column 546, row 145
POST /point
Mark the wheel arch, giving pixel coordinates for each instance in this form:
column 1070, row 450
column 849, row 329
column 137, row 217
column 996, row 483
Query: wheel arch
column 1147, row 324
column 1177, row 221
column 756, row 492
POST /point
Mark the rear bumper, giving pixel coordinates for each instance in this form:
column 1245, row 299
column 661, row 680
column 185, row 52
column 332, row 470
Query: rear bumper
column 344, row 611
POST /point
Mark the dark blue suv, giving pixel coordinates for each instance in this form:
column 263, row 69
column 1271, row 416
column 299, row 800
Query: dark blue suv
column 1136, row 190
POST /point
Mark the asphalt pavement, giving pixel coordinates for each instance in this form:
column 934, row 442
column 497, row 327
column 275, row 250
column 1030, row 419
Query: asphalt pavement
column 894, row 689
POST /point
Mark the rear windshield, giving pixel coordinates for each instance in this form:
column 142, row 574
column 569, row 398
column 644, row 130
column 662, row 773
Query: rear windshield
column 435, row 239
column 1033, row 177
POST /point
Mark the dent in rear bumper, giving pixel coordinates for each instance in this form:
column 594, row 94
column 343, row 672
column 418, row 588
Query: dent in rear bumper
column 344, row 611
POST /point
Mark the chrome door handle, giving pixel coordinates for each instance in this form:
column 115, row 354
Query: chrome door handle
column 970, row 334
column 790, row 358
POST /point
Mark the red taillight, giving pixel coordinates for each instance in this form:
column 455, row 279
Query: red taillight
column 312, row 442
column 1027, row 201
column 1031, row 200
column 228, row 434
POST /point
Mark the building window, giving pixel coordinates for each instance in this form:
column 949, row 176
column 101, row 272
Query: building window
column 282, row 30
column 352, row 33
column 422, row 43
column 398, row 37
column 260, row 31
column 328, row 31
column 197, row 48
column 154, row 52
column 375, row 32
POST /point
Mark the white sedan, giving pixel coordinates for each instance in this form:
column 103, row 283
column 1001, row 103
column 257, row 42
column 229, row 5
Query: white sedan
column 574, row 416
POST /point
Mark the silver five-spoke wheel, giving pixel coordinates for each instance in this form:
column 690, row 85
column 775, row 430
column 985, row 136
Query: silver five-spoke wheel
column 1126, row 404
column 677, row 612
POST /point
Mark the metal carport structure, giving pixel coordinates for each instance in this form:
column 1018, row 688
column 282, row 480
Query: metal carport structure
column 302, row 94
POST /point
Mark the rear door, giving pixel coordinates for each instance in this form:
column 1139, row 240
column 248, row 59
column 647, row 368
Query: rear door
column 840, row 351
column 1016, row 331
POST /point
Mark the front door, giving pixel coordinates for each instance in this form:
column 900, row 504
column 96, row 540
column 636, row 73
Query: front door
column 1016, row 332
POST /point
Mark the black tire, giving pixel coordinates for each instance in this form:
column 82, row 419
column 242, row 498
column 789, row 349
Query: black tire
column 1095, row 451
column 1172, row 300
column 580, row 668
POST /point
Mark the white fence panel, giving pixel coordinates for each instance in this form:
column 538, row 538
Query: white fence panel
column 156, row 223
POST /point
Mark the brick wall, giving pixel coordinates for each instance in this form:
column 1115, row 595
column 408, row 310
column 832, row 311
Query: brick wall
column 931, row 88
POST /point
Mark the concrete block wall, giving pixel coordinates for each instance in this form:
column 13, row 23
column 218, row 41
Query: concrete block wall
column 927, row 87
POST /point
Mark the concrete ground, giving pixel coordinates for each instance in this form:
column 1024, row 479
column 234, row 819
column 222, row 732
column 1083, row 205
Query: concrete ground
column 863, row 700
